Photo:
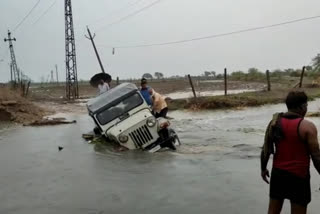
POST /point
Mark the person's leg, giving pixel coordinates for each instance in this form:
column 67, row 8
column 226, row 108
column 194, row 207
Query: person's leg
column 275, row 206
column 157, row 115
column 163, row 113
column 298, row 209
column 300, row 194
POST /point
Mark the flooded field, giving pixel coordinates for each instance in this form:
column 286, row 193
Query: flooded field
column 216, row 170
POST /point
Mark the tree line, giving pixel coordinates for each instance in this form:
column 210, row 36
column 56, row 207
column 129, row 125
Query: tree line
column 252, row 74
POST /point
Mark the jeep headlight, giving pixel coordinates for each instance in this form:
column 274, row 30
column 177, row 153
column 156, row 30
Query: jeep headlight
column 123, row 138
column 151, row 122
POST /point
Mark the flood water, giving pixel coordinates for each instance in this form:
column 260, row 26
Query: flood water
column 189, row 93
column 216, row 170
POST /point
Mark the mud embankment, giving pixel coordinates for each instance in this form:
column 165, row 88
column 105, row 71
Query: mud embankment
column 247, row 99
column 15, row 108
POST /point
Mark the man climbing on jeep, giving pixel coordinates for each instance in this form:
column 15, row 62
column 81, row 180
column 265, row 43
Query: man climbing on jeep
column 159, row 104
column 144, row 90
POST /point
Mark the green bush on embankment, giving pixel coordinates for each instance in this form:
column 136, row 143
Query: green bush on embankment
column 247, row 99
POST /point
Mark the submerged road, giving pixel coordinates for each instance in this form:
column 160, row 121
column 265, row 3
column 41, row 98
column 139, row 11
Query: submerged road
column 216, row 170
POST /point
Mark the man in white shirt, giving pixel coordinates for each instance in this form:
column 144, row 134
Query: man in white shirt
column 103, row 87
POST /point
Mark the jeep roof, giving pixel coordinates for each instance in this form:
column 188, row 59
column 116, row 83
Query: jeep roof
column 111, row 97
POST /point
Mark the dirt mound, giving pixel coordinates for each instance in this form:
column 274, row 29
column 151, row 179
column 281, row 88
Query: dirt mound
column 15, row 108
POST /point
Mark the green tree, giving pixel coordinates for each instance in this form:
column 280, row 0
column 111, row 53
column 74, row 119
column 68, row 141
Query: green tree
column 278, row 73
column 158, row 75
column 253, row 71
column 255, row 74
column 147, row 76
column 207, row 73
column 238, row 75
column 308, row 68
column 219, row 76
column 316, row 63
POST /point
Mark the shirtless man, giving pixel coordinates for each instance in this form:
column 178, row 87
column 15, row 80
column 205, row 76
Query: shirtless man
column 159, row 104
column 292, row 140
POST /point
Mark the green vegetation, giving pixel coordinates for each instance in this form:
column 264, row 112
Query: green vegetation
column 248, row 99
column 254, row 74
column 316, row 63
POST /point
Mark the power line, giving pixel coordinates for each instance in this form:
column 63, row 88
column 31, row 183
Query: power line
column 45, row 12
column 28, row 14
column 130, row 15
column 5, row 54
column 115, row 11
column 219, row 35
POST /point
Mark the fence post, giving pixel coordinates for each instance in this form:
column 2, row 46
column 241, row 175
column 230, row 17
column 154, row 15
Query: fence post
column 225, row 82
column 194, row 92
column 27, row 89
column 301, row 77
column 268, row 80
column 118, row 81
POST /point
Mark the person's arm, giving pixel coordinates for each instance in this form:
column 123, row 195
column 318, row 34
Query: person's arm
column 264, row 159
column 313, row 144
column 265, row 155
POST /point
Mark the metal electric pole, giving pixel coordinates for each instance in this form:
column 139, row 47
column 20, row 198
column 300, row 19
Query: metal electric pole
column 57, row 74
column 72, row 88
column 51, row 79
column 16, row 77
column 95, row 48
column 11, row 72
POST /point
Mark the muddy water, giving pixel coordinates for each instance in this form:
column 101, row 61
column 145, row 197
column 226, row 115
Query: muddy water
column 216, row 170
column 189, row 94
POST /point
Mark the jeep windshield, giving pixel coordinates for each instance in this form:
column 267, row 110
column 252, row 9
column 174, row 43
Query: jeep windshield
column 119, row 109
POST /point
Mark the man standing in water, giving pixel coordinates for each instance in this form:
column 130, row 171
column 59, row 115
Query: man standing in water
column 292, row 140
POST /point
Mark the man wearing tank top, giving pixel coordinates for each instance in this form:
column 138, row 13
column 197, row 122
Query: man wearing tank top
column 292, row 141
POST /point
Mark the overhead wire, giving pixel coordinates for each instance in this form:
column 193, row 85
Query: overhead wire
column 115, row 11
column 217, row 35
column 5, row 51
column 45, row 12
column 4, row 55
column 130, row 15
column 28, row 14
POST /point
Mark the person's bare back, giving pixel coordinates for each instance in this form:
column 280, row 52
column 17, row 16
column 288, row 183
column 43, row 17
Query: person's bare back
column 309, row 134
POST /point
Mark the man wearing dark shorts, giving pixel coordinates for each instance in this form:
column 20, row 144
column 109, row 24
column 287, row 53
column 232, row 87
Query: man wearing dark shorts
column 292, row 140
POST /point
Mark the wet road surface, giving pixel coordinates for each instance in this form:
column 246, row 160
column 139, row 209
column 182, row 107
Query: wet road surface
column 216, row 170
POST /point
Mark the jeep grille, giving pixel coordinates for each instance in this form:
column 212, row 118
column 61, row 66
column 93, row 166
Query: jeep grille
column 141, row 136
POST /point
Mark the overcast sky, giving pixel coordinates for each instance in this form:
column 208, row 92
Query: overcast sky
column 39, row 47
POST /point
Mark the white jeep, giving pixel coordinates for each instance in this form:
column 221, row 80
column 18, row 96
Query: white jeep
column 123, row 116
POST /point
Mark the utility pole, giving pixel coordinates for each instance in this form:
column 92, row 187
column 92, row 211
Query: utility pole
column 57, row 74
column 14, row 68
column 72, row 88
column 51, row 79
column 95, row 49
column 11, row 72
